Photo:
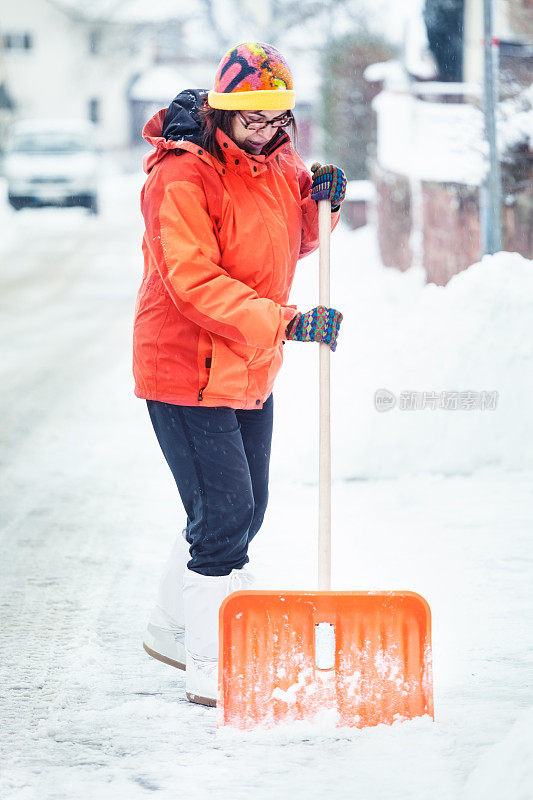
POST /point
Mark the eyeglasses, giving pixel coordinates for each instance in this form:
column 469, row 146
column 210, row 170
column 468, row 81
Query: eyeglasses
column 258, row 123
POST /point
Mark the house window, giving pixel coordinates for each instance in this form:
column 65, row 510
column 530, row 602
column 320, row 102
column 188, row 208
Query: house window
column 94, row 110
column 168, row 42
column 17, row 41
column 94, row 42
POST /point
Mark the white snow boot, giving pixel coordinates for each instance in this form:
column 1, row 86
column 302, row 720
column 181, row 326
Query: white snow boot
column 164, row 637
column 203, row 596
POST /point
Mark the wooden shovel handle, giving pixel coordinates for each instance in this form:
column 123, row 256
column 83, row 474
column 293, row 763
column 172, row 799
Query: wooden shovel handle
column 324, row 472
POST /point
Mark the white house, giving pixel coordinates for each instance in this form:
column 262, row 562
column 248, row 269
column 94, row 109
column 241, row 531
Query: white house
column 62, row 59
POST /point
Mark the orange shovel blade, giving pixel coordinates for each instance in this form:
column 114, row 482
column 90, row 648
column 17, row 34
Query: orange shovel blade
column 368, row 662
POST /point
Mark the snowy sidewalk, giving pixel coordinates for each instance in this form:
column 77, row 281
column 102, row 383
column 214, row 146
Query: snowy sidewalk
column 86, row 711
column 89, row 512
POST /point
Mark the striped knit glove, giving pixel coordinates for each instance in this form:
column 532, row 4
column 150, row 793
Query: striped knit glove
column 321, row 324
column 329, row 183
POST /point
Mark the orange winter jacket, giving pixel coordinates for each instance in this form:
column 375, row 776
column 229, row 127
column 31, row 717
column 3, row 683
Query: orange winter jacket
column 220, row 249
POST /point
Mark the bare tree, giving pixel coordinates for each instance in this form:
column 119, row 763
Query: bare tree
column 271, row 19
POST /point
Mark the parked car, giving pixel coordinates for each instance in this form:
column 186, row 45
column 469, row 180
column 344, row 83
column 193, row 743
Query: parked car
column 52, row 163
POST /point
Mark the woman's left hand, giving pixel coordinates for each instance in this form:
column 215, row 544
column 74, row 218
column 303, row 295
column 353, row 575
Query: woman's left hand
column 321, row 324
column 329, row 183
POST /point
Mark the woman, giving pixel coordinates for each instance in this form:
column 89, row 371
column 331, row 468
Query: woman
column 229, row 209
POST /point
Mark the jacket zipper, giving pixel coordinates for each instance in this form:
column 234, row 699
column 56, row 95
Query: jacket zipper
column 203, row 388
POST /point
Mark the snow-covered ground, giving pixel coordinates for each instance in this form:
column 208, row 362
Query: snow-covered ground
column 433, row 500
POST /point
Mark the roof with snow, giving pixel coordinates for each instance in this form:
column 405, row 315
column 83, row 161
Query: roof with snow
column 360, row 190
column 163, row 82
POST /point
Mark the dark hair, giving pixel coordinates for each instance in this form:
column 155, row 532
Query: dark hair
column 213, row 118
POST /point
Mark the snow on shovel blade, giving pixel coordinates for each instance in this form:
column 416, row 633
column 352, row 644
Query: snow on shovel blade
column 365, row 657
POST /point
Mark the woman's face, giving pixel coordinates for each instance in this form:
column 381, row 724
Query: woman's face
column 254, row 141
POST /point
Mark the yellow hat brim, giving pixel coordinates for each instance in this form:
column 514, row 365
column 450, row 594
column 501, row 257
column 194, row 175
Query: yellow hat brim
column 260, row 100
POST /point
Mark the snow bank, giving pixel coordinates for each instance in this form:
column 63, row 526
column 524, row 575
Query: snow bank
column 405, row 336
column 515, row 121
column 506, row 769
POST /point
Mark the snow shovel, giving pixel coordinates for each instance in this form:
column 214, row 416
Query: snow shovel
column 359, row 658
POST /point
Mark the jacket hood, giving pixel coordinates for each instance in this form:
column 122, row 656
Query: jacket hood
column 180, row 122
column 179, row 127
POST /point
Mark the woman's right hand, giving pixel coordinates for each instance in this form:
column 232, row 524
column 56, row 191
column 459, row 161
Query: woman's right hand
column 321, row 324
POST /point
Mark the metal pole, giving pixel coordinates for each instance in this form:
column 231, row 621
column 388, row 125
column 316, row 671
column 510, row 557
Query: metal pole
column 491, row 211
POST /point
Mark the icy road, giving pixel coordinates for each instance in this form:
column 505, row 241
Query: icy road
column 89, row 511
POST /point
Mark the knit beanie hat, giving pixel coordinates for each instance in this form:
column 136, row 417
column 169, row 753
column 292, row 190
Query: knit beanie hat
column 252, row 76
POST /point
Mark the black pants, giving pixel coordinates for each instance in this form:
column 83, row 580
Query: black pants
column 219, row 459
